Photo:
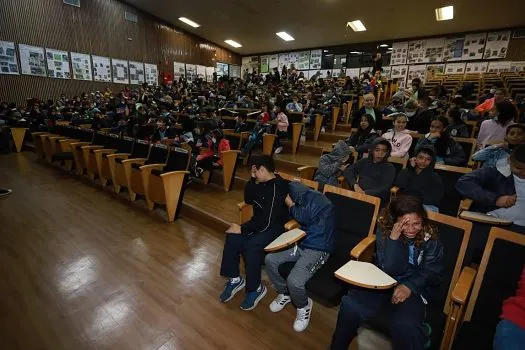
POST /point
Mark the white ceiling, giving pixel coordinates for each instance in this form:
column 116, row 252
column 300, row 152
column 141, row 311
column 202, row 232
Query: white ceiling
column 321, row 23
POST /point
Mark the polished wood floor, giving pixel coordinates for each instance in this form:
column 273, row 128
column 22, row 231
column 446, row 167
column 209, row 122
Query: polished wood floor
column 82, row 268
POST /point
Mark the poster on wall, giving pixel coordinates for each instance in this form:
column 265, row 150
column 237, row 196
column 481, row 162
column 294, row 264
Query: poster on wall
column 81, row 65
column 151, row 74
column 434, row 50
column 191, row 72
column 385, row 74
column 222, row 69
column 8, row 62
column 476, row 67
column 416, row 71
column 497, row 44
column 251, row 63
column 120, row 70
column 435, row 69
column 136, row 73
column 293, row 57
column 498, row 67
column 265, row 64
column 201, row 72
column 453, row 50
column 179, row 70
column 399, row 53
column 209, row 74
column 303, row 62
column 354, row 72
column 235, row 71
column 274, row 61
column 473, row 46
column 315, row 59
column 101, row 68
column 517, row 66
column 325, row 73
column 455, row 68
column 58, row 64
column 32, row 60
column 399, row 73
column 283, row 61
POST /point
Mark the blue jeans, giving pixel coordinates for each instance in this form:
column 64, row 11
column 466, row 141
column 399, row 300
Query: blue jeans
column 431, row 208
column 509, row 336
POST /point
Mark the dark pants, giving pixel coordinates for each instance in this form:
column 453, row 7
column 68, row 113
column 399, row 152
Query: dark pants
column 251, row 247
column 360, row 305
column 280, row 135
column 207, row 163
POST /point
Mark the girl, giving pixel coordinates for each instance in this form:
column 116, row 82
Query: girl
column 261, row 126
column 457, row 127
column 211, row 157
column 408, row 250
column 399, row 137
column 494, row 129
column 282, row 127
column 447, row 150
column 362, row 140
column 331, row 164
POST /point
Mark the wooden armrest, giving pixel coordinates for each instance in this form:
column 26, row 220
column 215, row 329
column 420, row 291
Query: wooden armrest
column 119, row 155
column 473, row 164
column 79, row 144
column 104, row 150
column 58, row 137
column 364, row 249
column 307, row 171
column 463, row 285
column 465, row 204
column 245, row 134
column 92, row 147
column 394, row 190
column 242, row 205
column 150, row 167
column 340, row 180
column 134, row 161
column 68, row 140
column 290, row 225
column 172, row 173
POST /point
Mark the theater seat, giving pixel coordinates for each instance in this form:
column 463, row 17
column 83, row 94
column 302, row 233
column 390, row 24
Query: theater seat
column 120, row 167
column 157, row 158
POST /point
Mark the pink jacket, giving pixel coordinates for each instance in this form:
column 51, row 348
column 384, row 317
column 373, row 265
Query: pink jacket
column 282, row 122
column 400, row 141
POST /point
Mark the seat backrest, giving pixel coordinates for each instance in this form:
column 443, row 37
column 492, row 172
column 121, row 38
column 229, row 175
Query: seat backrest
column 86, row 135
column 355, row 218
column 99, row 138
column 468, row 146
column 126, row 145
column 235, row 141
column 178, row 159
column 158, row 154
column 140, row 149
column 398, row 163
column 451, row 198
column 145, row 131
column 112, row 141
column 229, row 122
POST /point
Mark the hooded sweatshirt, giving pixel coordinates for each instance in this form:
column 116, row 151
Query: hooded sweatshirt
column 400, row 142
column 426, row 185
column 375, row 179
column 330, row 163
column 315, row 214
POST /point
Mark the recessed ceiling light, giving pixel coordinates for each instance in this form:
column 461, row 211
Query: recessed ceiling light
column 444, row 13
column 285, row 36
column 189, row 22
column 383, row 45
column 232, row 43
column 355, row 52
column 325, row 50
column 357, row 26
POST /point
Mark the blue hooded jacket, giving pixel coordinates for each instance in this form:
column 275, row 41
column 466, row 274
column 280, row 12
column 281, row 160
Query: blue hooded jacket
column 315, row 214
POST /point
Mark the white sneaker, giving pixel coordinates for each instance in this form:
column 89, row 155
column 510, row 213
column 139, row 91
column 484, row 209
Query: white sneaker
column 280, row 302
column 323, row 129
column 279, row 149
column 303, row 317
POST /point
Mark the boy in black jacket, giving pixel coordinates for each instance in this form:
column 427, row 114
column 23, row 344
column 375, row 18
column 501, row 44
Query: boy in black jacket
column 420, row 180
column 266, row 192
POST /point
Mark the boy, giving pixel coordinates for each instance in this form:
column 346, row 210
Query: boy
column 266, row 192
column 496, row 194
column 294, row 106
column 373, row 175
column 315, row 214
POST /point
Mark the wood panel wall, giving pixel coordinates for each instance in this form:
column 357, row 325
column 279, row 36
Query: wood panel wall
column 97, row 27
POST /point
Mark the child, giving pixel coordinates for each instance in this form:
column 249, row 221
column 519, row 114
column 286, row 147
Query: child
column 457, row 127
column 162, row 132
column 240, row 124
column 315, row 214
column 373, row 175
column 365, row 135
column 399, row 137
column 211, row 157
column 294, row 106
column 420, row 180
column 282, row 127
column 496, row 194
column 261, row 126
column 408, row 249
column 331, row 164
column 447, row 150
column 498, row 155
column 494, row 129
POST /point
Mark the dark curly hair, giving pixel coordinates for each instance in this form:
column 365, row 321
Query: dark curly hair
column 402, row 205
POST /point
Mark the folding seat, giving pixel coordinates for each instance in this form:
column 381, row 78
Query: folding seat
column 449, row 174
column 105, row 158
column 120, row 171
column 158, row 154
column 103, row 144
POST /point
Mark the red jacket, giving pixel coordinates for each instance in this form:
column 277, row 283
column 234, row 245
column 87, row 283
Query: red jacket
column 514, row 307
column 224, row 145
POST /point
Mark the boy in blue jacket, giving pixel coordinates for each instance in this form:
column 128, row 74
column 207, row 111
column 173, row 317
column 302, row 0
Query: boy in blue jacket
column 315, row 214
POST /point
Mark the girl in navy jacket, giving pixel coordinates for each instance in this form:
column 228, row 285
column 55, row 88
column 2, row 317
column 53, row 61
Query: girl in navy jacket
column 408, row 250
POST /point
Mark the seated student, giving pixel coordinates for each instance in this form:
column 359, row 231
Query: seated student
column 409, row 250
column 211, row 156
column 282, row 127
column 369, row 107
column 364, row 136
column 294, row 106
column 373, row 175
column 399, row 137
column 162, row 132
column 495, row 129
column 510, row 332
column 240, row 124
column 261, row 126
column 332, row 164
column 488, row 104
column 420, row 180
column 456, row 125
column 395, row 107
column 496, row 194
column 448, row 151
column 315, row 214
column 188, row 126
column 420, row 120
column 266, row 192
column 498, row 155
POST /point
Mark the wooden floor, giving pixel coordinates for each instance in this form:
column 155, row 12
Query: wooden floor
column 82, row 268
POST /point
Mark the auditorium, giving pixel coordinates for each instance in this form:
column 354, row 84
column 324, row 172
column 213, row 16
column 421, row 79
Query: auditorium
column 236, row 174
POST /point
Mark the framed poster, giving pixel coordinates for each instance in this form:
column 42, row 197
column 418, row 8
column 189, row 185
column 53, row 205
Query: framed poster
column 497, row 44
column 476, row 67
column 473, row 46
column 58, row 64
column 434, row 70
column 315, row 59
column 179, row 70
column 8, row 61
column 151, row 74
column 293, row 57
column 101, row 68
column 191, row 72
column 136, row 73
column 434, row 50
column 201, row 72
column 517, row 66
column 416, row 51
column 416, row 71
column 498, row 67
column 303, row 61
column 222, row 69
column 283, row 61
column 353, row 72
column 453, row 50
column 399, row 53
column 81, row 65
column 274, row 61
column 455, row 68
column 32, row 60
column 120, row 70
column 385, row 74
column 235, row 71
column 399, row 73
column 209, row 74
column 265, row 64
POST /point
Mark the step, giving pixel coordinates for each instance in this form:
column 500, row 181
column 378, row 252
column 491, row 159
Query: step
column 343, row 128
column 325, row 146
column 290, row 162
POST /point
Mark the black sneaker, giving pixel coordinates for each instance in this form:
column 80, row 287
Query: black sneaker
column 4, row 192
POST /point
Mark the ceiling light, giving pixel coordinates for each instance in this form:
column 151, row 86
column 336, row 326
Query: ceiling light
column 285, row 36
column 325, row 50
column 383, row 45
column 357, row 26
column 189, row 22
column 355, row 52
column 444, row 13
column 232, row 43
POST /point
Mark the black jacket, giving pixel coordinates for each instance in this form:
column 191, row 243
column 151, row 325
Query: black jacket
column 270, row 212
column 421, row 121
column 379, row 124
